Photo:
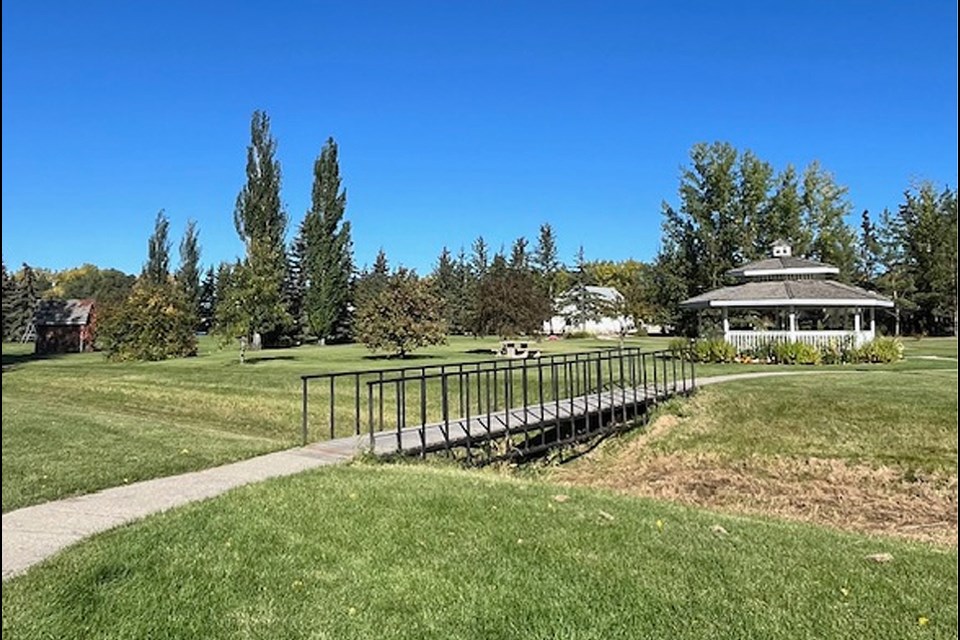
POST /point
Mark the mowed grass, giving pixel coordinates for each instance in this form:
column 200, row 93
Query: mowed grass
column 879, row 417
column 420, row 552
column 872, row 451
column 76, row 423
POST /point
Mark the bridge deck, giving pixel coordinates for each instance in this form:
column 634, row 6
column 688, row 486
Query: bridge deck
column 615, row 403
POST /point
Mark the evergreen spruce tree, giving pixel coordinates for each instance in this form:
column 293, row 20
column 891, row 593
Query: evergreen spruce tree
column 519, row 258
column 24, row 301
column 208, row 300
column 447, row 287
column 477, row 312
column 584, row 306
column 868, row 253
column 546, row 262
column 157, row 268
column 9, row 292
column 188, row 273
column 328, row 250
column 295, row 284
column 374, row 280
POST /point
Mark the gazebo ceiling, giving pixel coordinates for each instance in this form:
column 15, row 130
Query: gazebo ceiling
column 788, row 293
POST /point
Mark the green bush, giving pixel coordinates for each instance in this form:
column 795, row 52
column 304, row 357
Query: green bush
column 153, row 323
column 577, row 335
column 839, row 351
column 796, row 353
column 710, row 350
column 763, row 352
column 880, row 350
column 680, row 348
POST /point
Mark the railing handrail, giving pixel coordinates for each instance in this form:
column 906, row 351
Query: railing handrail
column 418, row 367
column 761, row 332
column 468, row 367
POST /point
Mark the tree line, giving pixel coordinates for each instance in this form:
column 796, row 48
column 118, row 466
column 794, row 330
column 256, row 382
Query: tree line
column 732, row 207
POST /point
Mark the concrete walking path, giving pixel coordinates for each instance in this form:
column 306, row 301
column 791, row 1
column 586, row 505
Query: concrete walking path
column 33, row 534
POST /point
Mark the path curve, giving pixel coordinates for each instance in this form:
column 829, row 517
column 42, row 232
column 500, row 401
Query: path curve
column 33, row 534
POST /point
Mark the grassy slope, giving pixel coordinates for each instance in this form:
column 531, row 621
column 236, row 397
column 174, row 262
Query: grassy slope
column 870, row 451
column 77, row 423
column 904, row 418
column 413, row 552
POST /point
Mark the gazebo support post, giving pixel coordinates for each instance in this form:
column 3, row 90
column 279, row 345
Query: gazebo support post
column 856, row 326
column 793, row 324
column 726, row 325
column 873, row 323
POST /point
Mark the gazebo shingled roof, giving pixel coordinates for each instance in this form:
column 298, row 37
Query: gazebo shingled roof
column 799, row 293
column 782, row 265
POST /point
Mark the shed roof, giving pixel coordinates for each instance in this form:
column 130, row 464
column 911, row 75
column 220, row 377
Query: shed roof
column 62, row 313
column 782, row 265
column 788, row 293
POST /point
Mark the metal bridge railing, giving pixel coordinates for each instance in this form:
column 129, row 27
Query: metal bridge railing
column 516, row 393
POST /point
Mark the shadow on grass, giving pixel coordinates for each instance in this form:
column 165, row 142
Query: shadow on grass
column 259, row 359
column 392, row 357
column 13, row 360
column 485, row 352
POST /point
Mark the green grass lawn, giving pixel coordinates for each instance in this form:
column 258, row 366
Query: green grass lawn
column 871, row 451
column 76, row 423
column 880, row 417
column 420, row 552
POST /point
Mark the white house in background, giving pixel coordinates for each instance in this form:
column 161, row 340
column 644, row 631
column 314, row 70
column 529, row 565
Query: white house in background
column 604, row 321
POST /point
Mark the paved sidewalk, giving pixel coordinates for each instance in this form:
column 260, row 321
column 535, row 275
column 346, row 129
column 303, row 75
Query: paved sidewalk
column 35, row 533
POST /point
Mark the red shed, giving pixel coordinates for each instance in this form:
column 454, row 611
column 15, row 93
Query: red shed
column 64, row 326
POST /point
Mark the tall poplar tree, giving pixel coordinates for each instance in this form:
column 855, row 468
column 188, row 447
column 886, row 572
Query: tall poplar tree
column 157, row 268
column 261, row 222
column 328, row 250
column 188, row 272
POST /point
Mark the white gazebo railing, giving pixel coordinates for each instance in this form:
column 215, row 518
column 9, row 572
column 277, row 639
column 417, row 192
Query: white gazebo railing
column 748, row 340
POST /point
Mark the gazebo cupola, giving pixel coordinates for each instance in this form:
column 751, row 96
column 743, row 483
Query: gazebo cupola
column 790, row 299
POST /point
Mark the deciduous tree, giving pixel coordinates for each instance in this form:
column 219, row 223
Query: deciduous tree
column 404, row 316
column 328, row 252
column 261, row 223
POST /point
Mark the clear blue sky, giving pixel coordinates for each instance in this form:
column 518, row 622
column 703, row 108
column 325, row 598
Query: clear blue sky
column 454, row 119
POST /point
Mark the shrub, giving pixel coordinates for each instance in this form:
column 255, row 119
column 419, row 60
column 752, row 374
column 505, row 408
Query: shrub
column 577, row 335
column 880, row 350
column 710, row 350
column 796, row 353
column 764, row 352
column 680, row 348
column 153, row 323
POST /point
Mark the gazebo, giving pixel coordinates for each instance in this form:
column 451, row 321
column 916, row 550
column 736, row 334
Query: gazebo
column 789, row 299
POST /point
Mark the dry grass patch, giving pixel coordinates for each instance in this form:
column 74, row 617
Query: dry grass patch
column 821, row 491
column 701, row 458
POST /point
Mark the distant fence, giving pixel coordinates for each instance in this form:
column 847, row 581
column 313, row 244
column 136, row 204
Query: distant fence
column 750, row 340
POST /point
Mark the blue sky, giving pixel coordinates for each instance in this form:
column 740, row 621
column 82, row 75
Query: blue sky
column 454, row 119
